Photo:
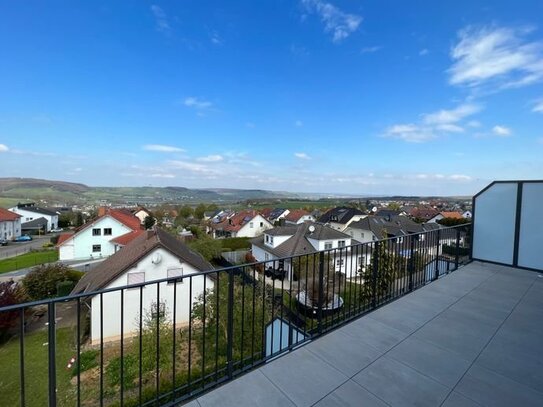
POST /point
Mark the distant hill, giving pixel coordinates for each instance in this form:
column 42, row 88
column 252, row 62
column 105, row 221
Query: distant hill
column 14, row 190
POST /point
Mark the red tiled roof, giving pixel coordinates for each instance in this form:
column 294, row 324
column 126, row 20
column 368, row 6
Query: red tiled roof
column 296, row 214
column 6, row 215
column 123, row 240
column 266, row 212
column 236, row 222
column 63, row 237
column 423, row 212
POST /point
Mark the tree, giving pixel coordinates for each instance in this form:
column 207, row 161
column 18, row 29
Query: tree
column 149, row 222
column 9, row 295
column 199, row 211
column 208, row 248
column 387, row 270
column 453, row 221
column 185, row 211
column 394, row 206
column 78, row 219
column 42, row 282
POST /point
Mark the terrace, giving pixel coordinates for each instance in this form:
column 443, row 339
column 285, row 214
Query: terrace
column 453, row 317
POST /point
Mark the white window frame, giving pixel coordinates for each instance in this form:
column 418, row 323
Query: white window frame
column 328, row 245
column 99, row 246
column 341, row 243
column 96, row 232
column 135, row 278
column 176, row 274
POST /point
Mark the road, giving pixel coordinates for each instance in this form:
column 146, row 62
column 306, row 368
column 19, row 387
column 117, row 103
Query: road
column 14, row 249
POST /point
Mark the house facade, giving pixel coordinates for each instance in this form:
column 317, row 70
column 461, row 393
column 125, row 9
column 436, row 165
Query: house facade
column 30, row 212
column 298, row 216
column 141, row 213
column 443, row 215
column 100, row 238
column 286, row 241
column 10, row 224
column 154, row 255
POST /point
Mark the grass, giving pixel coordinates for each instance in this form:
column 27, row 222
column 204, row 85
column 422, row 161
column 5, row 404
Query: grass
column 36, row 369
column 27, row 260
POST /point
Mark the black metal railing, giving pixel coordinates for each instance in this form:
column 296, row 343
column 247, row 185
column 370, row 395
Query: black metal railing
column 165, row 341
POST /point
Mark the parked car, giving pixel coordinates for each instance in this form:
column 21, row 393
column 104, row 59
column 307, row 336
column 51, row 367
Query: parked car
column 56, row 230
column 3, row 242
column 23, row 238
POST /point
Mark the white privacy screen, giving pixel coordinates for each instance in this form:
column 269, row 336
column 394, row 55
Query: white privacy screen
column 530, row 252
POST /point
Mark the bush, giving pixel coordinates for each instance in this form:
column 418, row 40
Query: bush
column 9, row 295
column 235, row 243
column 208, row 248
column 48, row 245
column 42, row 282
column 54, row 240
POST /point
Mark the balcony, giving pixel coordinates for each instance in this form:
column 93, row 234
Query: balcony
column 416, row 322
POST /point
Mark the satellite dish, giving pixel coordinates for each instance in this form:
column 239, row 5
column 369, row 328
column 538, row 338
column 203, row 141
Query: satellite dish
column 157, row 258
column 311, row 228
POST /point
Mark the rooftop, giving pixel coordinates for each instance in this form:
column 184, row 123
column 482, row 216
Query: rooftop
column 470, row 338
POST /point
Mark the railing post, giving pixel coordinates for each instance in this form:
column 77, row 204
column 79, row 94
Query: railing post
column 436, row 274
column 411, row 266
column 375, row 275
column 457, row 254
column 52, row 357
column 321, row 292
column 230, row 325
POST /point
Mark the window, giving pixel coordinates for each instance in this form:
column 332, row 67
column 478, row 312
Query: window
column 96, row 232
column 373, row 237
column 251, row 224
column 107, row 231
column 339, row 262
column 267, row 239
column 96, row 248
column 341, row 243
column 351, row 233
column 327, row 245
column 175, row 273
column 158, row 309
column 362, row 235
column 266, row 256
column 135, row 278
column 271, row 240
column 261, row 224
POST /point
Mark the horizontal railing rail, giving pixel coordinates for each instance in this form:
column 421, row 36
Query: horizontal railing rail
column 163, row 341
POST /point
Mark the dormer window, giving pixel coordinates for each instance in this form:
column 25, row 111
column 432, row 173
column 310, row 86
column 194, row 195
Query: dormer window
column 327, row 245
column 341, row 243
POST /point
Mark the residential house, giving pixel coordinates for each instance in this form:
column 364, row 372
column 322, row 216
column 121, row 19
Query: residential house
column 30, row 212
column 339, row 218
column 467, row 215
column 248, row 223
column 100, row 238
column 153, row 255
column 424, row 213
column 297, row 216
column 10, row 224
column 443, row 215
column 141, row 213
column 277, row 214
column 286, row 241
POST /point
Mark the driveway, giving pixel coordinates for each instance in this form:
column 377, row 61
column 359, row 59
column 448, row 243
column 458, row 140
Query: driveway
column 14, row 249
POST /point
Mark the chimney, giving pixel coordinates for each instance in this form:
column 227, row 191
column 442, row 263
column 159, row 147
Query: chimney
column 102, row 210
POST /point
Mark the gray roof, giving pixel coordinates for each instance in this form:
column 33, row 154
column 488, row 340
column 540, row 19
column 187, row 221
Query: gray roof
column 128, row 256
column 298, row 243
column 341, row 214
column 37, row 209
column 34, row 224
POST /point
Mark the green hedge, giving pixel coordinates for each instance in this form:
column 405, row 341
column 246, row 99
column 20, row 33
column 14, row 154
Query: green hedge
column 235, row 243
column 462, row 251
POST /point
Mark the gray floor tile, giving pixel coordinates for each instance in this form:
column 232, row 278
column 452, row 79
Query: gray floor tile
column 303, row 377
column 344, row 352
column 193, row 403
column 399, row 385
column 494, row 390
column 441, row 365
column 405, row 316
column 252, row 389
column 350, row 394
column 457, row 400
column 374, row 333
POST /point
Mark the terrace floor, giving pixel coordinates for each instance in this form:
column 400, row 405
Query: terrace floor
column 472, row 338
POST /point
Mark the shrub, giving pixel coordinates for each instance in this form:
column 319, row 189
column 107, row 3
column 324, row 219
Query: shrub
column 42, row 282
column 9, row 295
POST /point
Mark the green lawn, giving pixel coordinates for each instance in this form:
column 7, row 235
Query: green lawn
column 26, row 260
column 36, row 369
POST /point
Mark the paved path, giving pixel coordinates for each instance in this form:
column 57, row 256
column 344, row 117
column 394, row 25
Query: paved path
column 472, row 338
column 14, row 249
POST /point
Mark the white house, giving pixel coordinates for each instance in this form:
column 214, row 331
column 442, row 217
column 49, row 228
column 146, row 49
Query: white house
column 248, row 223
column 339, row 218
column 286, row 241
column 30, row 212
column 297, row 216
column 141, row 213
column 100, row 238
column 448, row 215
column 10, row 224
column 467, row 215
column 154, row 255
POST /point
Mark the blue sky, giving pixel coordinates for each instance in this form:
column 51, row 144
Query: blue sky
column 343, row 96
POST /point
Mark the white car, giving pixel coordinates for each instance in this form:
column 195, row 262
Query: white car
column 56, row 230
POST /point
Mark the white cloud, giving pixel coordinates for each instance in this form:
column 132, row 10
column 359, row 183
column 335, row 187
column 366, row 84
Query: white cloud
column 452, row 115
column 161, row 19
column 302, row 156
column 474, row 123
column 213, row 158
column 410, row 133
column 538, row 107
column 197, row 103
column 460, row 177
column 450, row 128
column 160, row 175
column 337, row 22
column 501, row 131
column 298, row 123
column 192, row 167
column 3, row 148
column 498, row 55
column 162, row 148
column 370, row 50
column 423, row 52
